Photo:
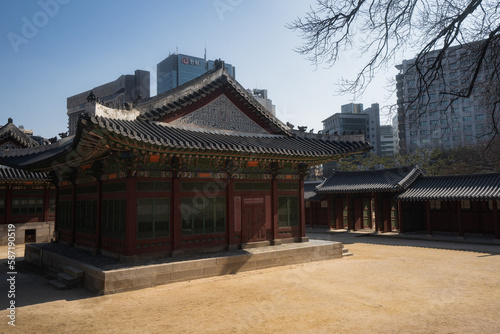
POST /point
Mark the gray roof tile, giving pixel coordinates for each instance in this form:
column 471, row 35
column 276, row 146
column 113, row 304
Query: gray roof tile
column 383, row 180
column 8, row 174
column 180, row 137
column 310, row 193
column 455, row 187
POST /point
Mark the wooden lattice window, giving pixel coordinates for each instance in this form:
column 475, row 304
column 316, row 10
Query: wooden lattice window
column 288, row 211
column 203, row 215
column 153, row 217
column 114, row 217
column 86, row 216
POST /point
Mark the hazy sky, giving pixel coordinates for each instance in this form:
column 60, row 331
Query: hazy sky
column 53, row 49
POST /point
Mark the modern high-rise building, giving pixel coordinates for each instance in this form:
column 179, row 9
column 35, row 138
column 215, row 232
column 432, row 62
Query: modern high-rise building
column 352, row 108
column 440, row 120
column 387, row 142
column 126, row 89
column 177, row 69
column 261, row 96
column 395, row 134
column 353, row 119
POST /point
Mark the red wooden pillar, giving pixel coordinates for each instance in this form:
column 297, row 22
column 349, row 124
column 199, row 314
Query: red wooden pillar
column 56, row 223
column 46, row 204
column 8, row 204
column 99, row 214
column 230, row 211
column 329, row 207
column 73, row 214
column 131, row 217
column 496, row 225
column 302, row 214
column 386, row 214
column 401, row 224
column 349, row 214
column 339, row 215
column 428, row 217
column 274, row 209
column 376, row 213
column 459, row 219
column 358, row 214
column 176, row 212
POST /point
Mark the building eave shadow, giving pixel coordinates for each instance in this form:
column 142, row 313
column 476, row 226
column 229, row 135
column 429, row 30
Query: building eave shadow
column 487, row 247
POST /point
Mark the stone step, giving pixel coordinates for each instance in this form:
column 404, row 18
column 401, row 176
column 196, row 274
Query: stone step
column 345, row 252
column 67, row 279
column 73, row 271
column 255, row 244
column 58, row 285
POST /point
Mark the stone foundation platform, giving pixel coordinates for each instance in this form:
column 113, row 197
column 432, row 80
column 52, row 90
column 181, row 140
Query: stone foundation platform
column 106, row 275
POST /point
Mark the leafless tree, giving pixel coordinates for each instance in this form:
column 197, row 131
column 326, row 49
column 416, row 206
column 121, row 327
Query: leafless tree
column 382, row 29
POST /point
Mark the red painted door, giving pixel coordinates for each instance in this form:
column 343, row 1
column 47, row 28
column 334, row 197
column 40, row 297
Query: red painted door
column 253, row 220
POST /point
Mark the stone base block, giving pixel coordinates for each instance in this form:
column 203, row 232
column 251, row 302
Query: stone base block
column 179, row 269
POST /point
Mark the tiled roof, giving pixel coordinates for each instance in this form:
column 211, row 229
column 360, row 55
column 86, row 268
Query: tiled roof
column 310, row 193
column 151, row 127
column 8, row 174
column 10, row 131
column 383, row 180
column 21, row 158
column 455, row 187
column 170, row 102
column 214, row 141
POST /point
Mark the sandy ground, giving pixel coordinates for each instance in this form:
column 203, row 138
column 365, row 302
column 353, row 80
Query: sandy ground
column 388, row 286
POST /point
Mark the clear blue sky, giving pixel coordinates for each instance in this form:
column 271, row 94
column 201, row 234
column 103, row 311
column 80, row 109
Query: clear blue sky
column 53, row 49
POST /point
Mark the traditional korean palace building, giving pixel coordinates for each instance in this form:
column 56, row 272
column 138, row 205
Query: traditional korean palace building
column 403, row 200
column 316, row 205
column 365, row 199
column 27, row 200
column 203, row 166
column 461, row 204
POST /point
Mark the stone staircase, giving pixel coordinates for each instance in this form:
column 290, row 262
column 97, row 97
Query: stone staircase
column 345, row 252
column 71, row 277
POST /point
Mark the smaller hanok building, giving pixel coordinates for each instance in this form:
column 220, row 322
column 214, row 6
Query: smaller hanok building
column 359, row 200
column 203, row 166
column 458, row 204
column 27, row 200
column 316, row 205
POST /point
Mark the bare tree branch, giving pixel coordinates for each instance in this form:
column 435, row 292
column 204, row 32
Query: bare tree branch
column 382, row 29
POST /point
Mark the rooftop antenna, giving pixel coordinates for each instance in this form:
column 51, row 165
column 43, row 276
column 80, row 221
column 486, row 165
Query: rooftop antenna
column 176, row 50
column 205, row 56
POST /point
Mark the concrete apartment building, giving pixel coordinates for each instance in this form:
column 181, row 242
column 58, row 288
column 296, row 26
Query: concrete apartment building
column 354, row 119
column 261, row 96
column 387, row 142
column 438, row 120
column 127, row 88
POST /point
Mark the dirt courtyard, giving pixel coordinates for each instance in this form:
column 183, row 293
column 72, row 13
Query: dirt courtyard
column 388, row 286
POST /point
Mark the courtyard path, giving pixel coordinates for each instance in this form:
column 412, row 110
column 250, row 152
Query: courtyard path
column 388, row 286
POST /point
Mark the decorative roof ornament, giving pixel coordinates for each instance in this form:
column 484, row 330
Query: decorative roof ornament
column 91, row 97
column 218, row 63
column 10, row 120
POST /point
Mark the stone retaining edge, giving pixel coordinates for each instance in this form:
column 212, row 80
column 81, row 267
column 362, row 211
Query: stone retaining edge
column 139, row 277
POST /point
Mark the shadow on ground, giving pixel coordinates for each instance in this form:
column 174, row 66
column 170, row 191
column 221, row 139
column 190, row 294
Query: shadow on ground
column 32, row 287
column 440, row 241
